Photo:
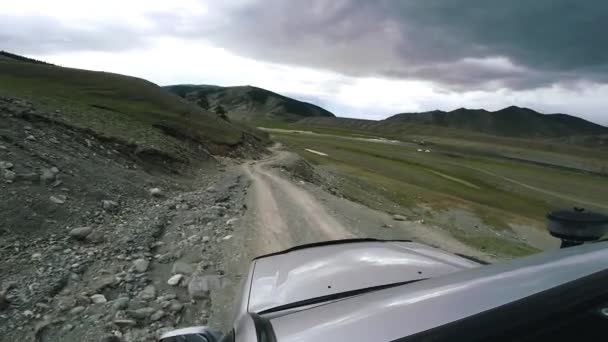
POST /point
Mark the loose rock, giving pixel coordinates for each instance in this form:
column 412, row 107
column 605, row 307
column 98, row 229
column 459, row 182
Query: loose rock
column 175, row 280
column 399, row 218
column 109, row 205
column 120, row 303
column 156, row 192
column 6, row 165
column 175, row 306
column 98, row 299
column 125, row 322
column 199, row 287
column 157, row 315
column 232, row 221
column 80, row 233
column 148, row 293
column 47, row 176
column 9, row 175
column 77, row 310
column 180, row 267
column 142, row 313
column 59, row 199
column 141, row 265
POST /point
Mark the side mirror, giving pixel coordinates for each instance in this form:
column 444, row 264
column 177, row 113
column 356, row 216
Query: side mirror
column 577, row 226
column 191, row 334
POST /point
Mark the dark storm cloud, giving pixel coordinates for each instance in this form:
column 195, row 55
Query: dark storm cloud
column 462, row 44
column 541, row 42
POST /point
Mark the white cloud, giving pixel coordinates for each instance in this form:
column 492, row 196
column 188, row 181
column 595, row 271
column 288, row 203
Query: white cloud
column 174, row 61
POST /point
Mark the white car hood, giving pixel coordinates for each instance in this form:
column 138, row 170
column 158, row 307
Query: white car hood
column 316, row 271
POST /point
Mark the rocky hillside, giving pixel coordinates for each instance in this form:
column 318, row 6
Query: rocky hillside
column 249, row 104
column 511, row 121
column 106, row 197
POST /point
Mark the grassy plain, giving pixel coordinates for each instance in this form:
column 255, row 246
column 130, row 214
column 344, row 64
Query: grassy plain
column 496, row 191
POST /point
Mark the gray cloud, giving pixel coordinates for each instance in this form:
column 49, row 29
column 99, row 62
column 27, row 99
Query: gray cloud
column 460, row 44
column 545, row 41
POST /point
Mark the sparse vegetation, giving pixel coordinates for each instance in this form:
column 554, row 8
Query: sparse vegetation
column 122, row 107
column 489, row 187
column 221, row 113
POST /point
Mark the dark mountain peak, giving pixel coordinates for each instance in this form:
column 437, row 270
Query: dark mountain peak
column 516, row 109
column 510, row 121
column 250, row 103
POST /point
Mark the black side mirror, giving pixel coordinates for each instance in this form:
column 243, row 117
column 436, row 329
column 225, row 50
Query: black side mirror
column 577, row 226
column 191, row 334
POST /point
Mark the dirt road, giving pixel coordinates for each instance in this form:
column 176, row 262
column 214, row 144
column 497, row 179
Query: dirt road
column 286, row 214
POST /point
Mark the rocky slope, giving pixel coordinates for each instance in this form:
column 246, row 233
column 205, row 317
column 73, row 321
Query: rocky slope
column 249, row 104
column 99, row 243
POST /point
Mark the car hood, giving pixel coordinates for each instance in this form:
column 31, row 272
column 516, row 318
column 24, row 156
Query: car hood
column 329, row 268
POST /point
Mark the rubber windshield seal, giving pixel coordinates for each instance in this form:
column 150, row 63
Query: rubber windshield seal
column 263, row 328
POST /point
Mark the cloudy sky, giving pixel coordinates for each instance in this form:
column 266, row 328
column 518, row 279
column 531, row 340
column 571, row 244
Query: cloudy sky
column 357, row 58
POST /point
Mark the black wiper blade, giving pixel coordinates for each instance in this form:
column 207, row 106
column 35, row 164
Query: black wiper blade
column 335, row 296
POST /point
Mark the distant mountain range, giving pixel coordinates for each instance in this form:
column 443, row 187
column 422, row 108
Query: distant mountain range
column 258, row 106
column 249, row 104
column 511, row 121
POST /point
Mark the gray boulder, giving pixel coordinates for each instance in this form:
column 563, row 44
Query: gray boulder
column 156, row 192
column 98, row 299
column 200, row 287
column 142, row 313
column 9, row 175
column 80, row 233
column 399, row 218
column 148, row 293
column 109, row 205
column 141, row 265
column 59, row 199
column 47, row 176
column 181, row 267
column 120, row 303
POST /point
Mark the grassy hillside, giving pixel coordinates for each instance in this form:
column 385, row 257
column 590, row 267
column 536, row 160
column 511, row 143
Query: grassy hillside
column 117, row 106
column 249, row 104
column 511, row 121
column 7, row 56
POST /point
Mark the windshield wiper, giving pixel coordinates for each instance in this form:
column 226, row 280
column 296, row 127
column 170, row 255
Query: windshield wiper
column 335, row 296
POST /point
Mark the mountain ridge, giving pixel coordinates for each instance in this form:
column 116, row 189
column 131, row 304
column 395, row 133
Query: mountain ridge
column 249, row 103
column 511, row 121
